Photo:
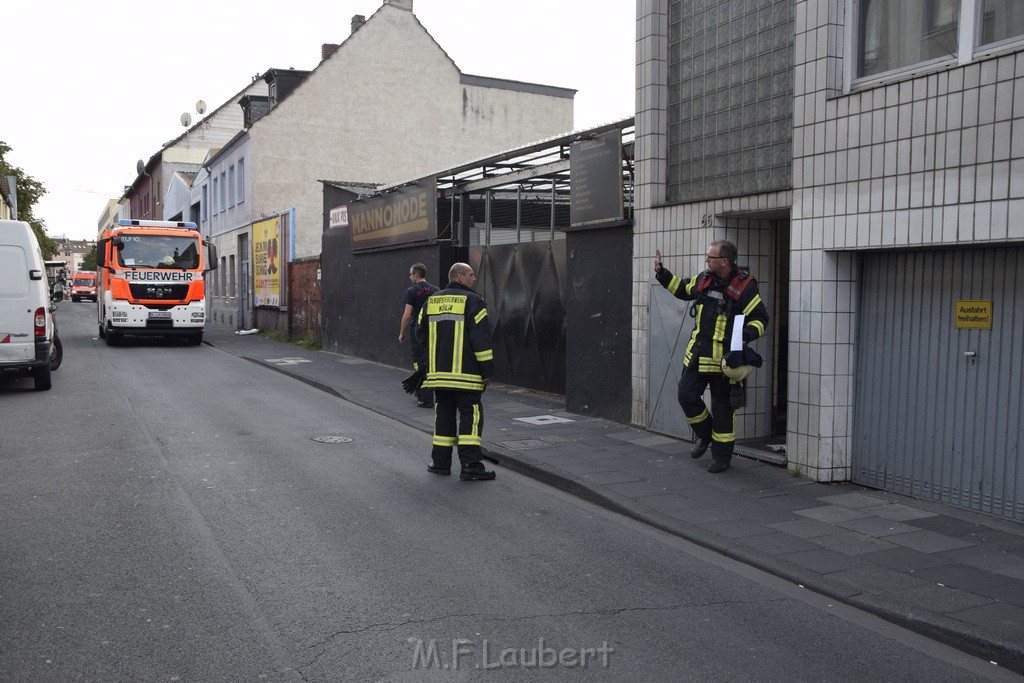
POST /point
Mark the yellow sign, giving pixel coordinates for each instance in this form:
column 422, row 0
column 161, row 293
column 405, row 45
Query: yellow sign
column 972, row 315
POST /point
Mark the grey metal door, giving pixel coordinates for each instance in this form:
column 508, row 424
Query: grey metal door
column 938, row 410
column 244, row 291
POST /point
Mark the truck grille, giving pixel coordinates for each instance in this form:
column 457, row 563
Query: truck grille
column 150, row 291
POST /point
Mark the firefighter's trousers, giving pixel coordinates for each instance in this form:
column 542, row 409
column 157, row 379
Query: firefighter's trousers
column 719, row 424
column 458, row 421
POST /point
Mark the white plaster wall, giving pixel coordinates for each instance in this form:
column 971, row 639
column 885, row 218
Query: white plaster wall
column 385, row 107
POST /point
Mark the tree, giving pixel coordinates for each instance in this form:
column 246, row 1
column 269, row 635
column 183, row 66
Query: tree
column 89, row 261
column 29, row 191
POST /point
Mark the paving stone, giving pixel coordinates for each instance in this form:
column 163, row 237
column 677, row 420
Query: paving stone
column 702, row 515
column 628, row 435
column 852, row 500
column 652, row 441
column 903, row 559
column 822, row 561
column 1012, row 572
column 739, row 528
column 928, row 541
column 943, row 599
column 832, row 514
column 879, row 580
column 787, row 501
column 779, row 544
column 670, row 503
column 585, row 468
column 805, row 528
column 948, row 526
column 985, row 557
column 898, row 512
column 963, row 577
column 877, row 527
column 638, row 489
column 852, row 543
column 610, row 477
column 999, row 617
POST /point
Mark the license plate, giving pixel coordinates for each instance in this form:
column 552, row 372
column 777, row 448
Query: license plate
column 159, row 314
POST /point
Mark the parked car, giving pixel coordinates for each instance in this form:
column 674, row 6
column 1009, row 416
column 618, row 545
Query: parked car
column 83, row 286
column 27, row 329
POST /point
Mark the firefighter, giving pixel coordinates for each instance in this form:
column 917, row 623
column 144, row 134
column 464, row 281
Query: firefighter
column 415, row 295
column 454, row 328
column 719, row 294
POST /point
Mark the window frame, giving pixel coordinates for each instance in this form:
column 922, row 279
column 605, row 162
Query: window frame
column 969, row 48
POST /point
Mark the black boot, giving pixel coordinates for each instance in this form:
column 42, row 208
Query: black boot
column 475, row 471
column 700, row 447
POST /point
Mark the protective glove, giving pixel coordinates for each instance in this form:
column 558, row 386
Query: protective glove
column 412, row 383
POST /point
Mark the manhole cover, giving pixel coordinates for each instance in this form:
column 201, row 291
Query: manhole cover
column 524, row 444
column 332, row 439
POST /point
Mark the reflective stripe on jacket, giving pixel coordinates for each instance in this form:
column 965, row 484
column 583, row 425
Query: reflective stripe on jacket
column 454, row 328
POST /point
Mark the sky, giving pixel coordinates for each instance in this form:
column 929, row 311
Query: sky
column 92, row 87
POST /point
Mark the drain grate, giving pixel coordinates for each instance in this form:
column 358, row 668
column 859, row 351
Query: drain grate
column 332, row 439
column 524, row 444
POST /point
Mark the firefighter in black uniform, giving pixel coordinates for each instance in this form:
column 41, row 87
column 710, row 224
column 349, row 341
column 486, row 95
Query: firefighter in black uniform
column 454, row 328
column 718, row 294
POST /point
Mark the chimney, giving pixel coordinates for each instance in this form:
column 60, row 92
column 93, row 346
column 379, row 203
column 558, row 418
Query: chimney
column 357, row 21
column 327, row 49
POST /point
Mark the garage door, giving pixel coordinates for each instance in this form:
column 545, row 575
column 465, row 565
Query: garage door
column 938, row 408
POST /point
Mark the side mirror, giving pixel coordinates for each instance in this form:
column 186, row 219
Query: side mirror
column 57, row 296
column 101, row 253
column 211, row 256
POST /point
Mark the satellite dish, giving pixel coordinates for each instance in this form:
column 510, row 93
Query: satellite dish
column 200, row 107
column 186, row 119
column 140, row 167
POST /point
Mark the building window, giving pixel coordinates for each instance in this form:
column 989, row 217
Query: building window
column 898, row 34
column 231, row 185
column 205, row 208
column 895, row 35
column 1001, row 20
column 223, row 190
column 241, row 180
column 216, row 198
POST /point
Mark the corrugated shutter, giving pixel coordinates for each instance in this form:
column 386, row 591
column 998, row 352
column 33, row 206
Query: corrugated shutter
column 930, row 420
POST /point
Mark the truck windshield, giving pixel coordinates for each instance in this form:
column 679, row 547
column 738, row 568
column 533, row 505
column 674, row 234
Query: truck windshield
column 159, row 251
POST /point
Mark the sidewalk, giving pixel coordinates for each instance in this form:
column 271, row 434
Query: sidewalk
column 950, row 574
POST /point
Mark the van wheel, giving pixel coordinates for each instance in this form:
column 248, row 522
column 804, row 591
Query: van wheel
column 103, row 332
column 56, row 353
column 195, row 339
column 41, row 374
column 113, row 338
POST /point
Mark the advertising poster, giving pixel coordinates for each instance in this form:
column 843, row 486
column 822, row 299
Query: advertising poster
column 266, row 260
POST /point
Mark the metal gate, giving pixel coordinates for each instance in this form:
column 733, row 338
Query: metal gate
column 938, row 409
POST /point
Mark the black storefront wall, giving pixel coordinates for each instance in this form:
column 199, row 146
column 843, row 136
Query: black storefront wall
column 560, row 309
column 363, row 292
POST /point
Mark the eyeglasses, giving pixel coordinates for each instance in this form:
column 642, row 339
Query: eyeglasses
column 709, row 257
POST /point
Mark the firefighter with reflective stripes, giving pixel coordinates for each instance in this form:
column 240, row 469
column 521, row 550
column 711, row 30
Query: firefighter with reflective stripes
column 454, row 328
column 719, row 294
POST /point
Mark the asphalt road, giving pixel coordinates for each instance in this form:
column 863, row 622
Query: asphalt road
column 166, row 514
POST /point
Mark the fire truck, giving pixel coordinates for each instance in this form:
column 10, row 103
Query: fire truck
column 149, row 280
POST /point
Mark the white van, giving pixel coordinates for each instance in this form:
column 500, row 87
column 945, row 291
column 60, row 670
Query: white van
column 26, row 321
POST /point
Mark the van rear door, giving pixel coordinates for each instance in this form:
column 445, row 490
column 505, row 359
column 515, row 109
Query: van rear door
column 17, row 331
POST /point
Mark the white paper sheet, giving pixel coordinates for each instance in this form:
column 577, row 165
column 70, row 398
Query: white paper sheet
column 737, row 333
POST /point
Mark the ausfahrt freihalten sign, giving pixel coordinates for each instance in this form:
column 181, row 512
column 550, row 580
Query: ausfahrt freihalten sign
column 595, row 179
column 406, row 214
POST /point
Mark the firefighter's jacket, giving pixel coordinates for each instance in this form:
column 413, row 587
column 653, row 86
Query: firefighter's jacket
column 716, row 302
column 454, row 328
